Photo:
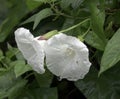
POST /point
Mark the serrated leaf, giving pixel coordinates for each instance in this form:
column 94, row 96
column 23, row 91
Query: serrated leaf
column 42, row 15
column 20, row 68
column 107, row 86
column 112, row 53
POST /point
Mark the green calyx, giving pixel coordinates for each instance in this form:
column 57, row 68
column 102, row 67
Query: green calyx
column 50, row 34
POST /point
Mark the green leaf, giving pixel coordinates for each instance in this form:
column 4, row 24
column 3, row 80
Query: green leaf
column 2, row 70
column 39, row 93
column 92, row 39
column 45, row 93
column 3, row 10
column 1, row 55
column 74, row 3
column 20, row 67
column 6, row 81
column 47, row 26
column 30, row 19
column 9, row 85
column 38, row 17
column 42, row 15
column 32, row 4
column 17, row 11
column 112, row 53
column 97, row 21
column 11, row 51
column 3, row 94
column 107, row 86
column 45, row 1
column 19, row 56
column 114, row 18
column 17, row 89
column 45, row 79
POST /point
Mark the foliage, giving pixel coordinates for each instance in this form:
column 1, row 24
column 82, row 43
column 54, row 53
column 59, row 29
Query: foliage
column 100, row 33
column 111, row 54
column 97, row 88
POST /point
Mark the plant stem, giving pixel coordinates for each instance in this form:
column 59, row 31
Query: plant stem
column 68, row 29
column 86, row 33
column 51, row 33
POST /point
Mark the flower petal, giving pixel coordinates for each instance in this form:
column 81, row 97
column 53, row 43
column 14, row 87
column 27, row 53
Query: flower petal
column 67, row 57
column 31, row 49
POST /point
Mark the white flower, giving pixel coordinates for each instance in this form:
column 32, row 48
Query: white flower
column 31, row 49
column 67, row 57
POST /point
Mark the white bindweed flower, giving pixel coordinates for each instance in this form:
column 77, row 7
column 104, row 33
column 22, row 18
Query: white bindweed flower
column 67, row 57
column 31, row 49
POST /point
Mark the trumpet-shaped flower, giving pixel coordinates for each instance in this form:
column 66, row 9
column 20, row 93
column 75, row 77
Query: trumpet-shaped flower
column 31, row 49
column 67, row 57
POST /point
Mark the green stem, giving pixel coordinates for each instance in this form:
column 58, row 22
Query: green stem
column 68, row 29
column 52, row 33
column 86, row 33
column 82, row 36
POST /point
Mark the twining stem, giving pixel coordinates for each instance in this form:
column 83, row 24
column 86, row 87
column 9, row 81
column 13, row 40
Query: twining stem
column 68, row 29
